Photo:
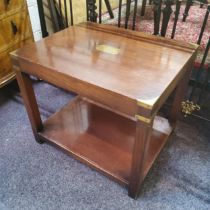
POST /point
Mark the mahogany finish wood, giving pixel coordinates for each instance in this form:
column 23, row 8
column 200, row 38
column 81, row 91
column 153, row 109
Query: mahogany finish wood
column 99, row 137
column 28, row 96
column 140, row 151
column 122, row 78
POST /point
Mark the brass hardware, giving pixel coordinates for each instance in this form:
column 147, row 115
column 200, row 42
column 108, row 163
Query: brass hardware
column 147, row 103
column 188, row 107
column 108, row 49
column 143, row 119
column 144, row 105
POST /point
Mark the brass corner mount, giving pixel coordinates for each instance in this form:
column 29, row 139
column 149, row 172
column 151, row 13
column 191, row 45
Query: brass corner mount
column 188, row 107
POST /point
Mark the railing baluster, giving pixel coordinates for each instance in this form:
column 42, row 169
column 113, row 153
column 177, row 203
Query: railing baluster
column 119, row 13
column 167, row 11
column 144, row 2
column 100, row 10
column 134, row 15
column 187, row 8
column 58, row 9
column 204, row 86
column 59, row 6
column 71, row 12
column 204, row 24
column 66, row 15
column 202, row 2
column 92, row 10
column 87, row 10
column 109, row 8
column 178, row 6
column 157, row 15
column 53, row 15
column 200, row 70
column 128, row 7
column 42, row 18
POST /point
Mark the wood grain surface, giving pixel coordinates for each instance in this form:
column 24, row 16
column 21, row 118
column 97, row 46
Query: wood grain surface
column 122, row 78
column 142, row 70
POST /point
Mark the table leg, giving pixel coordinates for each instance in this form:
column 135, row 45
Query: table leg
column 143, row 134
column 29, row 99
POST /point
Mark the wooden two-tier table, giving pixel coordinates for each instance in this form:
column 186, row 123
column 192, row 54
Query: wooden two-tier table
column 122, row 79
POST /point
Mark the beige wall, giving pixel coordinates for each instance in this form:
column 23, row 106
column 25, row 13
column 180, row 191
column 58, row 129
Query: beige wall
column 79, row 10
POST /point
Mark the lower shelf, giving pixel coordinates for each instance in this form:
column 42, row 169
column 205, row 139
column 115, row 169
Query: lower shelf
column 100, row 138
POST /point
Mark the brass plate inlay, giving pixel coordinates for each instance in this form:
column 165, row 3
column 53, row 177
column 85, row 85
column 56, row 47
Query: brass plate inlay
column 188, row 107
column 108, row 49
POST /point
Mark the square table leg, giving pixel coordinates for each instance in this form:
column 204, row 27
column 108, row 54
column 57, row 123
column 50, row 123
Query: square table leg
column 144, row 126
column 29, row 99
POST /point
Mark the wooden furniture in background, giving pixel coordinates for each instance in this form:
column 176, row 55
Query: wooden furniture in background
column 113, row 124
column 15, row 30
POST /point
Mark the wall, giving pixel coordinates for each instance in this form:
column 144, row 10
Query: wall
column 34, row 17
column 79, row 10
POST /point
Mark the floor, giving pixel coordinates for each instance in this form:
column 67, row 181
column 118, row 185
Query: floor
column 41, row 177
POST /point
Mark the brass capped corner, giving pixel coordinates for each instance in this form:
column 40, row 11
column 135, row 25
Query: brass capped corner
column 146, row 106
column 143, row 119
column 147, row 103
column 188, row 107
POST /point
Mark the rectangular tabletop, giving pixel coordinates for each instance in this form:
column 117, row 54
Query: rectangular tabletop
column 116, row 67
